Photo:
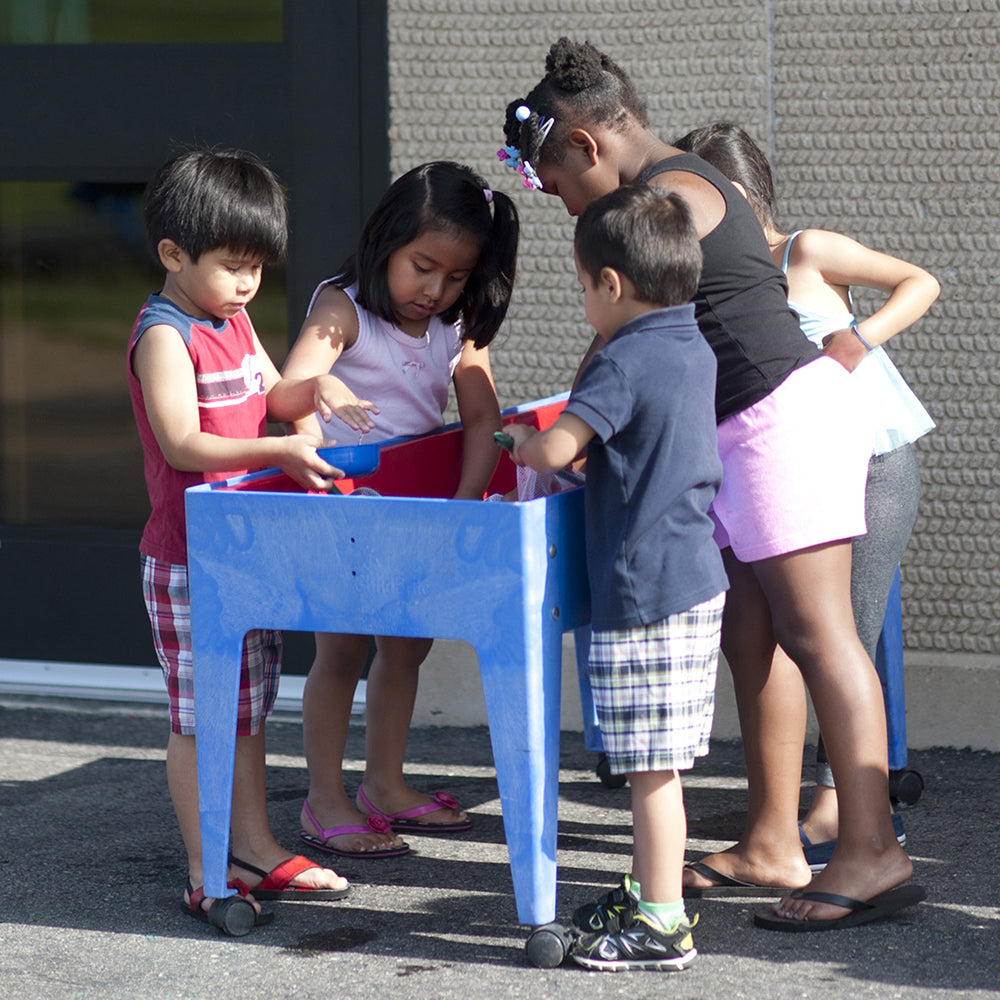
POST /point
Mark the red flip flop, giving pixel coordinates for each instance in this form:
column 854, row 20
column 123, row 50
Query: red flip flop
column 276, row 884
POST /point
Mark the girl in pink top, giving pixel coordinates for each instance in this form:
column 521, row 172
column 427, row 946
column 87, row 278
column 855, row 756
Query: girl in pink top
column 412, row 311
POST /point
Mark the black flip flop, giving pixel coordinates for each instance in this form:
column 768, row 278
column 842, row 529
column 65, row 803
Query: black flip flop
column 722, row 885
column 862, row 911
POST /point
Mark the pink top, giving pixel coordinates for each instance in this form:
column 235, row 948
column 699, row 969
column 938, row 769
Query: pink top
column 407, row 378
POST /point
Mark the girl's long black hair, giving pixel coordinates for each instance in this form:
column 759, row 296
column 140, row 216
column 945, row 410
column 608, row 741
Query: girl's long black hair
column 732, row 151
column 442, row 196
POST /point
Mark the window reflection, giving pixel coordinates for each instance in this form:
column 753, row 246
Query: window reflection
column 74, row 271
column 39, row 22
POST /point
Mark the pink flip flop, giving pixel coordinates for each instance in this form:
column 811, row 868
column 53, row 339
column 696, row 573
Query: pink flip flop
column 407, row 819
column 375, row 824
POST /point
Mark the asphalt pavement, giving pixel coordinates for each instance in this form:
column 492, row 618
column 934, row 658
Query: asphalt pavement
column 93, row 876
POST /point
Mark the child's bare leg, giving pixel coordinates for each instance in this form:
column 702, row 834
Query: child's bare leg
column 182, row 780
column 891, row 499
column 810, row 599
column 252, row 839
column 659, row 833
column 326, row 716
column 392, row 692
column 822, row 821
column 772, row 711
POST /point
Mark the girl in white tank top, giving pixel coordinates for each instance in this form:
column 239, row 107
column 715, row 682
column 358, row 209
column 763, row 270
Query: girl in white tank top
column 820, row 267
column 409, row 314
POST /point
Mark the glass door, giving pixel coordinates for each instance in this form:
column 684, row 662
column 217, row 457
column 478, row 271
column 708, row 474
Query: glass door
column 98, row 94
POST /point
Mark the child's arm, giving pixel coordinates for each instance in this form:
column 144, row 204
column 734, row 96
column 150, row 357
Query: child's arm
column 162, row 364
column 307, row 386
column 552, row 449
column 842, row 262
column 479, row 412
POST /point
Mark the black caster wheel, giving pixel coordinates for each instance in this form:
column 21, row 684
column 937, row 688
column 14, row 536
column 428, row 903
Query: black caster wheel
column 603, row 771
column 234, row 916
column 905, row 788
column 549, row 945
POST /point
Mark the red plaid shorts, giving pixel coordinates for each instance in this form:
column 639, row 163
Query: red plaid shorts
column 165, row 589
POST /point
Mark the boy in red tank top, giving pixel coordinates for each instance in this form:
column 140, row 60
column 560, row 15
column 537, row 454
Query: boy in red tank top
column 199, row 381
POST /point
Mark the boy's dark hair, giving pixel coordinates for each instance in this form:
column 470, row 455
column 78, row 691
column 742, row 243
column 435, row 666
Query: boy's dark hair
column 217, row 199
column 451, row 198
column 648, row 236
column 581, row 87
column 732, row 152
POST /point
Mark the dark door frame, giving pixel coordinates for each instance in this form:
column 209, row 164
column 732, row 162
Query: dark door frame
column 313, row 106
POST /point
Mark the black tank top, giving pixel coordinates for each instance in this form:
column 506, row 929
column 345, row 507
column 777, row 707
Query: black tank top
column 742, row 300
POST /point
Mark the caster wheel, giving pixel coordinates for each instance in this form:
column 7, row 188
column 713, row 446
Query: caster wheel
column 905, row 788
column 603, row 771
column 234, row 916
column 548, row 945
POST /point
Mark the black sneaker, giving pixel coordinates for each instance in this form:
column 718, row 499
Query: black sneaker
column 640, row 945
column 610, row 912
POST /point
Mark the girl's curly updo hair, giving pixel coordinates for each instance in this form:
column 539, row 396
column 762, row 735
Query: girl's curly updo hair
column 582, row 87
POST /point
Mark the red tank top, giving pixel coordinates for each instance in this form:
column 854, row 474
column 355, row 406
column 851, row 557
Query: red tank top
column 231, row 403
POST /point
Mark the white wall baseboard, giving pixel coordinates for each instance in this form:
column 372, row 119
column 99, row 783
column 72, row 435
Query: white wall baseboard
column 139, row 685
column 952, row 700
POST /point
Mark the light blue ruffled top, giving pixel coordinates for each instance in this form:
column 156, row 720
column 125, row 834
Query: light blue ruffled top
column 899, row 416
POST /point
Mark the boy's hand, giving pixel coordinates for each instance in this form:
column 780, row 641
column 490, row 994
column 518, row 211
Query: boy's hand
column 305, row 466
column 520, row 434
column 332, row 396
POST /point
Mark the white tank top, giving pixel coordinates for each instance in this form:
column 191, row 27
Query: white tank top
column 899, row 416
column 406, row 377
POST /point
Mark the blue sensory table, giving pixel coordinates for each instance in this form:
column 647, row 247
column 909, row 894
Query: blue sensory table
column 509, row 578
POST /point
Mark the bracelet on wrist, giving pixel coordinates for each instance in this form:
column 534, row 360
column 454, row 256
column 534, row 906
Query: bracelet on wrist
column 868, row 346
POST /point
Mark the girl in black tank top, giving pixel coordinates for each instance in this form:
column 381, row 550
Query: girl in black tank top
column 581, row 132
column 742, row 299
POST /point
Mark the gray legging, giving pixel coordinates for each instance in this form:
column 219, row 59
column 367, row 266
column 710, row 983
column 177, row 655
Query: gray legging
column 891, row 497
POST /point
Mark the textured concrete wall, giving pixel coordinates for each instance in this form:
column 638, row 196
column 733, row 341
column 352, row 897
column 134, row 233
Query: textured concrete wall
column 883, row 121
column 887, row 126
